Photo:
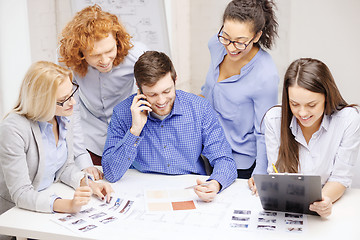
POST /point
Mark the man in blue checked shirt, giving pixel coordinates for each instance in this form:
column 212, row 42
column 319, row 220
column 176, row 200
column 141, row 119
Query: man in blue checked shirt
column 163, row 130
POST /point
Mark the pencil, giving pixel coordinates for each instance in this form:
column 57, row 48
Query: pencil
column 276, row 171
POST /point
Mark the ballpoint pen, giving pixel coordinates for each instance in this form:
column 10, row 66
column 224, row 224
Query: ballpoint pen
column 276, row 171
column 86, row 179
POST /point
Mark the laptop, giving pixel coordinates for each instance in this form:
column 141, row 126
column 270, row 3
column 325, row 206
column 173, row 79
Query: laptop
column 288, row 192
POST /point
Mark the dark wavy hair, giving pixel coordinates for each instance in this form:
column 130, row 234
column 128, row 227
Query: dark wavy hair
column 258, row 12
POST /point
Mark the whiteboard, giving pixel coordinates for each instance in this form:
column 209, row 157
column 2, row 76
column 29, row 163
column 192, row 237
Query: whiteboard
column 145, row 20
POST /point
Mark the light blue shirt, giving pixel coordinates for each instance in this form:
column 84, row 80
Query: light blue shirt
column 241, row 102
column 172, row 145
column 98, row 95
column 55, row 155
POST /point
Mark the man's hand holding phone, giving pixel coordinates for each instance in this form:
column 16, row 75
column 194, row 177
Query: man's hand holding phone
column 139, row 111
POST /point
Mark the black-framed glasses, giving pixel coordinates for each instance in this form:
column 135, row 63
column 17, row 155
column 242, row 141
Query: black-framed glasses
column 238, row 45
column 75, row 88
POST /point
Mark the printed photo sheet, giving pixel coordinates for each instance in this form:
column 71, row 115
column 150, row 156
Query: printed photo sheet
column 96, row 215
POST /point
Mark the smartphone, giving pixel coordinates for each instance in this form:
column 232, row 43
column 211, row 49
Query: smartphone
column 142, row 98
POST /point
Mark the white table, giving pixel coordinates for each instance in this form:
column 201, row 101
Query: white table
column 342, row 224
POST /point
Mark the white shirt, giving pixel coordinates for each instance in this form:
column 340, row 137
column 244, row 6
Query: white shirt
column 332, row 150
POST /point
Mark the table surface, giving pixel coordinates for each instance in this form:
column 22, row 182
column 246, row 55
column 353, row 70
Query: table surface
column 27, row 224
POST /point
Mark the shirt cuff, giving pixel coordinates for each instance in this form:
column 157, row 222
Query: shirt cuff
column 260, row 167
column 221, row 181
column 52, row 200
column 132, row 140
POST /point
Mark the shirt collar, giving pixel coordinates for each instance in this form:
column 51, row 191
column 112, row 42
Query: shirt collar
column 92, row 69
column 325, row 122
column 62, row 121
column 294, row 126
column 176, row 110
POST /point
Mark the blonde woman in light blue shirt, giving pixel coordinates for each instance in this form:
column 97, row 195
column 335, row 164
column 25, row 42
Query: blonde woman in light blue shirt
column 37, row 146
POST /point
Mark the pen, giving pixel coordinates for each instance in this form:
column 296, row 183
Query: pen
column 193, row 186
column 86, row 179
column 118, row 202
column 276, row 171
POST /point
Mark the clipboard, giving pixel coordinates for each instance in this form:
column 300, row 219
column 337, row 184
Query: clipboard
column 288, row 192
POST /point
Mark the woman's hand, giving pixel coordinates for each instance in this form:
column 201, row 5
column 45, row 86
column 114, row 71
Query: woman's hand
column 207, row 190
column 252, row 186
column 81, row 197
column 95, row 172
column 101, row 189
column 323, row 208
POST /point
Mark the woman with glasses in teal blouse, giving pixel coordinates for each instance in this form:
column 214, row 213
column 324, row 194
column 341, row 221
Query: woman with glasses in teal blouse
column 242, row 81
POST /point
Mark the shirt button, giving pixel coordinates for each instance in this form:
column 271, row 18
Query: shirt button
column 165, row 146
column 162, row 126
column 168, row 165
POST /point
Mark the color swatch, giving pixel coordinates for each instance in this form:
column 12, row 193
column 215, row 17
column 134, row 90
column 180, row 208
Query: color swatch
column 169, row 200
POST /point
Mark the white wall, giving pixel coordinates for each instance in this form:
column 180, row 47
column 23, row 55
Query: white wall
column 206, row 20
column 330, row 31
column 14, row 49
column 42, row 23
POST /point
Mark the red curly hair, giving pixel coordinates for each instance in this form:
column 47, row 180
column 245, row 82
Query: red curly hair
column 89, row 25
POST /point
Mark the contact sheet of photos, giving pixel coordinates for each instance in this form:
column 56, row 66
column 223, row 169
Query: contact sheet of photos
column 96, row 215
column 249, row 220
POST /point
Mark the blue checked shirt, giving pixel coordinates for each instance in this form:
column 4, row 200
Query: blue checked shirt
column 172, row 145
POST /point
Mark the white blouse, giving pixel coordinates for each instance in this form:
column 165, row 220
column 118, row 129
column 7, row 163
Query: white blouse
column 332, row 151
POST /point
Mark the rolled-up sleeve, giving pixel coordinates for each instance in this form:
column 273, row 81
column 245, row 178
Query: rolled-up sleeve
column 347, row 153
column 217, row 150
column 272, row 122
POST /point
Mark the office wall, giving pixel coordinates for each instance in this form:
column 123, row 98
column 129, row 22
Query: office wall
column 14, row 51
column 330, row 32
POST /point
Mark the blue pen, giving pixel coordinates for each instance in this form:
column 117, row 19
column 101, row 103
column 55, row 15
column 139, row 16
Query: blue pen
column 118, row 202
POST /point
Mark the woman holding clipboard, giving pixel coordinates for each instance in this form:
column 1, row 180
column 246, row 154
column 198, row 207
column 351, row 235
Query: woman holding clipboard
column 314, row 132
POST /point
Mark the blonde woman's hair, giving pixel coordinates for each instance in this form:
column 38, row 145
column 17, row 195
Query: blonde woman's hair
column 37, row 97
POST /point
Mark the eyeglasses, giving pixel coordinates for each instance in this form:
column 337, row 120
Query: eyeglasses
column 75, row 88
column 238, row 45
